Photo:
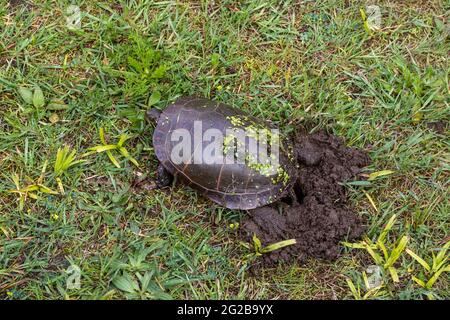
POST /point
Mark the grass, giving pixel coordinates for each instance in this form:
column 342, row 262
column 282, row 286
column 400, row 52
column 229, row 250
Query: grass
column 383, row 90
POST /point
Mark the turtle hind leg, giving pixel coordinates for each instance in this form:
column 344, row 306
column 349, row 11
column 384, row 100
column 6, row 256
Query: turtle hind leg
column 163, row 177
column 294, row 196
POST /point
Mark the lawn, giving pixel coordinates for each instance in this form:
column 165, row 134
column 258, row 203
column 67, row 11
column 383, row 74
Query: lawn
column 100, row 221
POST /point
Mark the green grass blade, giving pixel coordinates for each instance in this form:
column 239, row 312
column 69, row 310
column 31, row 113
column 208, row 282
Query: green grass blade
column 122, row 139
column 387, row 228
column 278, row 245
column 435, row 277
column 356, row 293
column 101, row 133
column 113, row 159
column 394, row 274
column 419, row 282
column 376, row 257
column 396, row 253
column 103, row 148
column 418, row 259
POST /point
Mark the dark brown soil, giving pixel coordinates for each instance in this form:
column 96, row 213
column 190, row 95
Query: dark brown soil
column 15, row 3
column 319, row 216
column 438, row 126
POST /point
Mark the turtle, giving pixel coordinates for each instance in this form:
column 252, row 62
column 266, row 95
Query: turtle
column 232, row 184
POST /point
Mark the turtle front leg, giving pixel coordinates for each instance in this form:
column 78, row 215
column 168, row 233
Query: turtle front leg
column 163, row 177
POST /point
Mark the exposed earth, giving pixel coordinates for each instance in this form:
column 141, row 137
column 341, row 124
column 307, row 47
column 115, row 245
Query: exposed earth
column 320, row 217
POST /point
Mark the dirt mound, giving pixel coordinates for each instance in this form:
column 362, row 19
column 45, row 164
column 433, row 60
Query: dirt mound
column 318, row 216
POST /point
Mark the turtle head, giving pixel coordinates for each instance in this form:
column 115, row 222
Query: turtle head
column 153, row 114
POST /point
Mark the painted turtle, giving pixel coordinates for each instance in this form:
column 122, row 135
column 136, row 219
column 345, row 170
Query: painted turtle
column 191, row 124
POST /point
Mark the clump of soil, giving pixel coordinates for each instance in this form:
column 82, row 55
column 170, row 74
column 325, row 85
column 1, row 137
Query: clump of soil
column 319, row 216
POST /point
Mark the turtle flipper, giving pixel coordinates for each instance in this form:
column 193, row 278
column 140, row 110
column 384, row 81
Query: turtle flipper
column 163, row 177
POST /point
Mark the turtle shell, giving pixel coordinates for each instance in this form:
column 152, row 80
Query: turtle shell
column 233, row 184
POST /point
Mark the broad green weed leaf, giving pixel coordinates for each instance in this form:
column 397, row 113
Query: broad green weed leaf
column 38, row 97
column 26, row 94
column 154, row 98
column 126, row 283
